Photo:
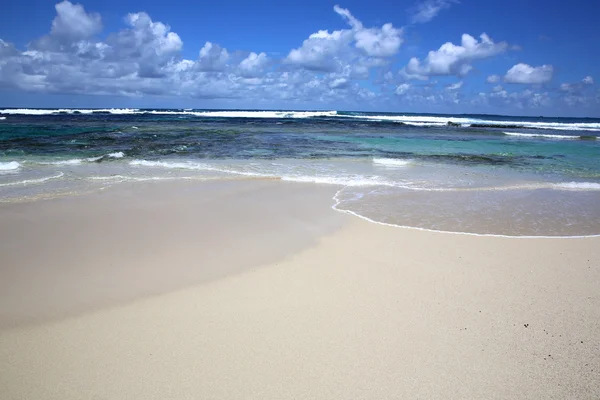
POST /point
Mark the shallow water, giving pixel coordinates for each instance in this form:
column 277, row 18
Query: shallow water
column 515, row 176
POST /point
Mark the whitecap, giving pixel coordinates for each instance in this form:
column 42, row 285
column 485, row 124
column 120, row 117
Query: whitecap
column 541, row 135
column 9, row 166
column 73, row 161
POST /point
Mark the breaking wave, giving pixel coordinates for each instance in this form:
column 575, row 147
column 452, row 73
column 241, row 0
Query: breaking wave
column 542, row 136
column 412, row 120
column 9, row 166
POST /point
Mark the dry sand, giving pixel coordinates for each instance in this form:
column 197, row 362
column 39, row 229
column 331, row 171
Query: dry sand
column 337, row 308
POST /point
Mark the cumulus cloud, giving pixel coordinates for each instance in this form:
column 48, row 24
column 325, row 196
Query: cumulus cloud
column 455, row 86
column 451, row 59
column 526, row 74
column 254, row 64
column 427, row 10
column 502, row 98
column 328, row 52
column 375, row 42
column 73, row 22
column 402, row 88
column 579, row 93
column 145, row 59
column 493, row 78
column 212, row 57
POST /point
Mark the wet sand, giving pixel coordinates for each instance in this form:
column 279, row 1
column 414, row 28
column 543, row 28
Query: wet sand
column 258, row 290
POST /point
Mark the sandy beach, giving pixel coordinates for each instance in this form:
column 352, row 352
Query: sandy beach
column 257, row 289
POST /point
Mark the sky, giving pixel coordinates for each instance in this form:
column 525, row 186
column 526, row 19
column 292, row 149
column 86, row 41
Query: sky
column 511, row 57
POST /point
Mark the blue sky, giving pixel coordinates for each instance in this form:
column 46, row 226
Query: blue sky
column 440, row 56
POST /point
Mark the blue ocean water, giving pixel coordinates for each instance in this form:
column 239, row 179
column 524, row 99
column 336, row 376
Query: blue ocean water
column 484, row 174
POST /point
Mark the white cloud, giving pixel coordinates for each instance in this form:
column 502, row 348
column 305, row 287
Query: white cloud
column 402, row 88
column 526, row 99
column 322, row 51
column 375, row 42
column 427, row 10
column 254, row 64
column 212, row 57
column 74, row 23
column 493, row 78
column 451, row 59
column 328, row 52
column 579, row 93
column 526, row 74
column 145, row 58
column 455, row 86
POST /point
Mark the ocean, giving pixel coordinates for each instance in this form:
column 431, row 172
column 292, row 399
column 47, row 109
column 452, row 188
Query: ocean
column 476, row 174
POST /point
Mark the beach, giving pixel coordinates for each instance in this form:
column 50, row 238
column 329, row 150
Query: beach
column 259, row 289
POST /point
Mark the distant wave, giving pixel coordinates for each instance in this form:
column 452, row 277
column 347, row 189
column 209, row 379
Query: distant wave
column 432, row 121
column 249, row 114
column 215, row 114
column 9, row 166
column 54, row 111
column 2, row 118
column 541, row 135
column 412, row 120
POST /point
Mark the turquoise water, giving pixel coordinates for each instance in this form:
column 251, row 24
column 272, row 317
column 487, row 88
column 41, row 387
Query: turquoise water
column 516, row 176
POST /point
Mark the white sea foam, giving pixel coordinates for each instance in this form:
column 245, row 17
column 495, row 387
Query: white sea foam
column 340, row 180
column 217, row 114
column 540, row 135
column 36, row 111
column 416, row 120
column 78, row 161
column 32, row 181
column 391, row 162
column 9, row 166
column 249, row 114
column 424, row 120
column 578, row 186
column 2, row 118
column 73, row 161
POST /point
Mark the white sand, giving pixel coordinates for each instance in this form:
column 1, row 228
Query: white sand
column 368, row 312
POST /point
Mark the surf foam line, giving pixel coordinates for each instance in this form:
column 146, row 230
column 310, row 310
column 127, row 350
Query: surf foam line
column 542, row 136
column 214, row 114
column 337, row 202
column 468, row 122
column 360, row 181
column 78, row 161
column 392, row 162
column 33, row 181
column 55, row 111
column 9, row 166
column 414, row 120
column 330, row 180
